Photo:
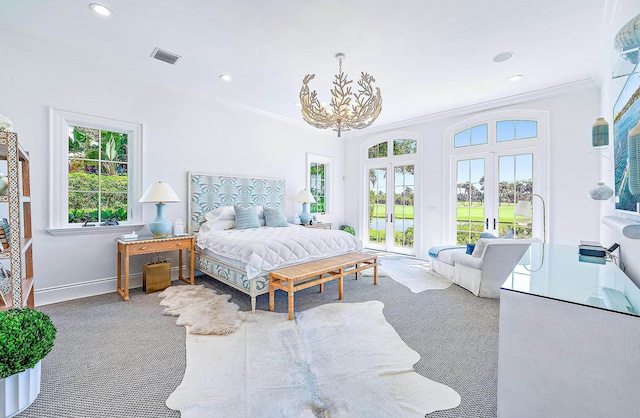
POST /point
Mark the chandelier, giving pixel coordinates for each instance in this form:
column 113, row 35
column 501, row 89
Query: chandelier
column 348, row 110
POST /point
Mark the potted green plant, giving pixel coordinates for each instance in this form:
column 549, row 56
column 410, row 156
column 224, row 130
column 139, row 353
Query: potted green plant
column 26, row 337
column 347, row 228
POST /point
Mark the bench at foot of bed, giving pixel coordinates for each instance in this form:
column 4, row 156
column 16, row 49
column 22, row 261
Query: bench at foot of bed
column 301, row 276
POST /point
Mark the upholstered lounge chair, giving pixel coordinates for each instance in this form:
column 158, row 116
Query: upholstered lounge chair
column 483, row 271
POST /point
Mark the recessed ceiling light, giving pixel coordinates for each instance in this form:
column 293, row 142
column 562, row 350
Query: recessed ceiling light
column 503, row 56
column 516, row 77
column 100, row 9
column 225, row 77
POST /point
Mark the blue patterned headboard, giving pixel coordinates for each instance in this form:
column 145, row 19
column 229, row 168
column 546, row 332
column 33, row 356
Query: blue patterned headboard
column 209, row 191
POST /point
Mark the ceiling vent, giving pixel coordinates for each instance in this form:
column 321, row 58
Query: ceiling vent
column 165, row 56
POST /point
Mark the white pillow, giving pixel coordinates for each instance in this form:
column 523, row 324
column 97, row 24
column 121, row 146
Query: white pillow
column 228, row 212
column 223, row 212
column 219, row 225
column 260, row 211
column 479, row 248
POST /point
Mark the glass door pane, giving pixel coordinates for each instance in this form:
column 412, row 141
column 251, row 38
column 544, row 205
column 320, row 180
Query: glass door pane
column 377, row 205
column 403, row 206
column 515, row 183
column 470, row 200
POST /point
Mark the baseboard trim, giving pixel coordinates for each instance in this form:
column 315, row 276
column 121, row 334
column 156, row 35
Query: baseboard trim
column 55, row 294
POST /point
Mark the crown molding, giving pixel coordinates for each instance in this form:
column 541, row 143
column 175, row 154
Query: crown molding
column 541, row 94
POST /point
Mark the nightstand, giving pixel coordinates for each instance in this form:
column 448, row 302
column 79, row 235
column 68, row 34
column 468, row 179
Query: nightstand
column 149, row 245
column 319, row 225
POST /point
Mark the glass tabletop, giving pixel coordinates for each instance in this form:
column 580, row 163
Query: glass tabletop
column 556, row 272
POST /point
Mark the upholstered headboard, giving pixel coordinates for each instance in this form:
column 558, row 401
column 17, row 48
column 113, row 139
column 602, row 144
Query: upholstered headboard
column 209, row 191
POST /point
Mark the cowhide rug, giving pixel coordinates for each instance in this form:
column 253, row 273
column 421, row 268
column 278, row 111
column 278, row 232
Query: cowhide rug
column 335, row 360
column 202, row 310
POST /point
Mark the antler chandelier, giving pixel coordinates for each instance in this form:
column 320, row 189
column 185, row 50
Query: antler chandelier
column 349, row 110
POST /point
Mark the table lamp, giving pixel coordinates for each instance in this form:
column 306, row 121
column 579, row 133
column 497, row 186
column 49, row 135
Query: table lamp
column 305, row 197
column 159, row 193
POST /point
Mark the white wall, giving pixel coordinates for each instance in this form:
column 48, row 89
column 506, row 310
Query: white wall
column 629, row 249
column 571, row 216
column 183, row 131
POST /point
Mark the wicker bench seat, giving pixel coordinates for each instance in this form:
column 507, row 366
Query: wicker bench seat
column 302, row 276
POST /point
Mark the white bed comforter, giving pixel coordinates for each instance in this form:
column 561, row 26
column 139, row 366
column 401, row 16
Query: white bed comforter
column 264, row 249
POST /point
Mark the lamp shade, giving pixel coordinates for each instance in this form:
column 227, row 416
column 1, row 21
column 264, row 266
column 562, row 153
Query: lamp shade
column 305, row 196
column 523, row 208
column 159, row 192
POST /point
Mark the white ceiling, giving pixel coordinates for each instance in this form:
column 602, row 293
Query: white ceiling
column 427, row 56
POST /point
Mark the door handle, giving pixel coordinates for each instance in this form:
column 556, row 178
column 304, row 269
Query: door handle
column 391, row 217
column 487, row 223
column 494, row 223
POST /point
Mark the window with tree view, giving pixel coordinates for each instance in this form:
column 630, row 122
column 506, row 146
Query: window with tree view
column 98, row 181
column 318, row 172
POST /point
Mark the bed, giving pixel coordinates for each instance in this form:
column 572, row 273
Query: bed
column 242, row 258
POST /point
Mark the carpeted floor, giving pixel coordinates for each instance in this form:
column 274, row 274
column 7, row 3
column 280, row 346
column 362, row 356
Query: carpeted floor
column 123, row 359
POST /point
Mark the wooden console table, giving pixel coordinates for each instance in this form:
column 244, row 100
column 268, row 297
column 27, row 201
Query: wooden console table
column 301, row 276
column 569, row 338
column 148, row 245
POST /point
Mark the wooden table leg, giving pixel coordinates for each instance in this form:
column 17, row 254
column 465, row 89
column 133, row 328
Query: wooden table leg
column 119, row 277
column 375, row 271
column 272, row 302
column 192, row 277
column 321, row 284
column 340, row 284
column 290, row 298
column 125, row 294
column 180, row 275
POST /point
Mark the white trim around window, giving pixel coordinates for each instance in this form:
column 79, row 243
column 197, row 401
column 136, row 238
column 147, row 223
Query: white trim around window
column 59, row 122
column 328, row 181
column 538, row 145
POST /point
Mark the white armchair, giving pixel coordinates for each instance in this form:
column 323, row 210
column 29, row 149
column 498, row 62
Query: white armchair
column 483, row 271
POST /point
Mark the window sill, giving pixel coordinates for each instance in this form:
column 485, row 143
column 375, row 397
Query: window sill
column 92, row 230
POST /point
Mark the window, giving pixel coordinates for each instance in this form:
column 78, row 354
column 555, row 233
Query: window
column 506, row 166
column 98, row 175
column 317, row 173
column 319, row 169
column 404, row 146
column 96, row 166
column 378, row 150
column 390, row 211
column 476, row 135
column 512, row 130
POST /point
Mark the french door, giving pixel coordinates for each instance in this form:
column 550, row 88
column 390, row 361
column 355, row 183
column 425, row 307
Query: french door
column 391, row 207
column 487, row 187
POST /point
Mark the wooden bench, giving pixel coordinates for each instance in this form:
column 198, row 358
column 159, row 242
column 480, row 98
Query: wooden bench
column 301, row 276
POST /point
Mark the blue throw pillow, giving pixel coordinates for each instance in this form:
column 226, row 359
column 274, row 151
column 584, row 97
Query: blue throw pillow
column 246, row 218
column 470, row 248
column 275, row 218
